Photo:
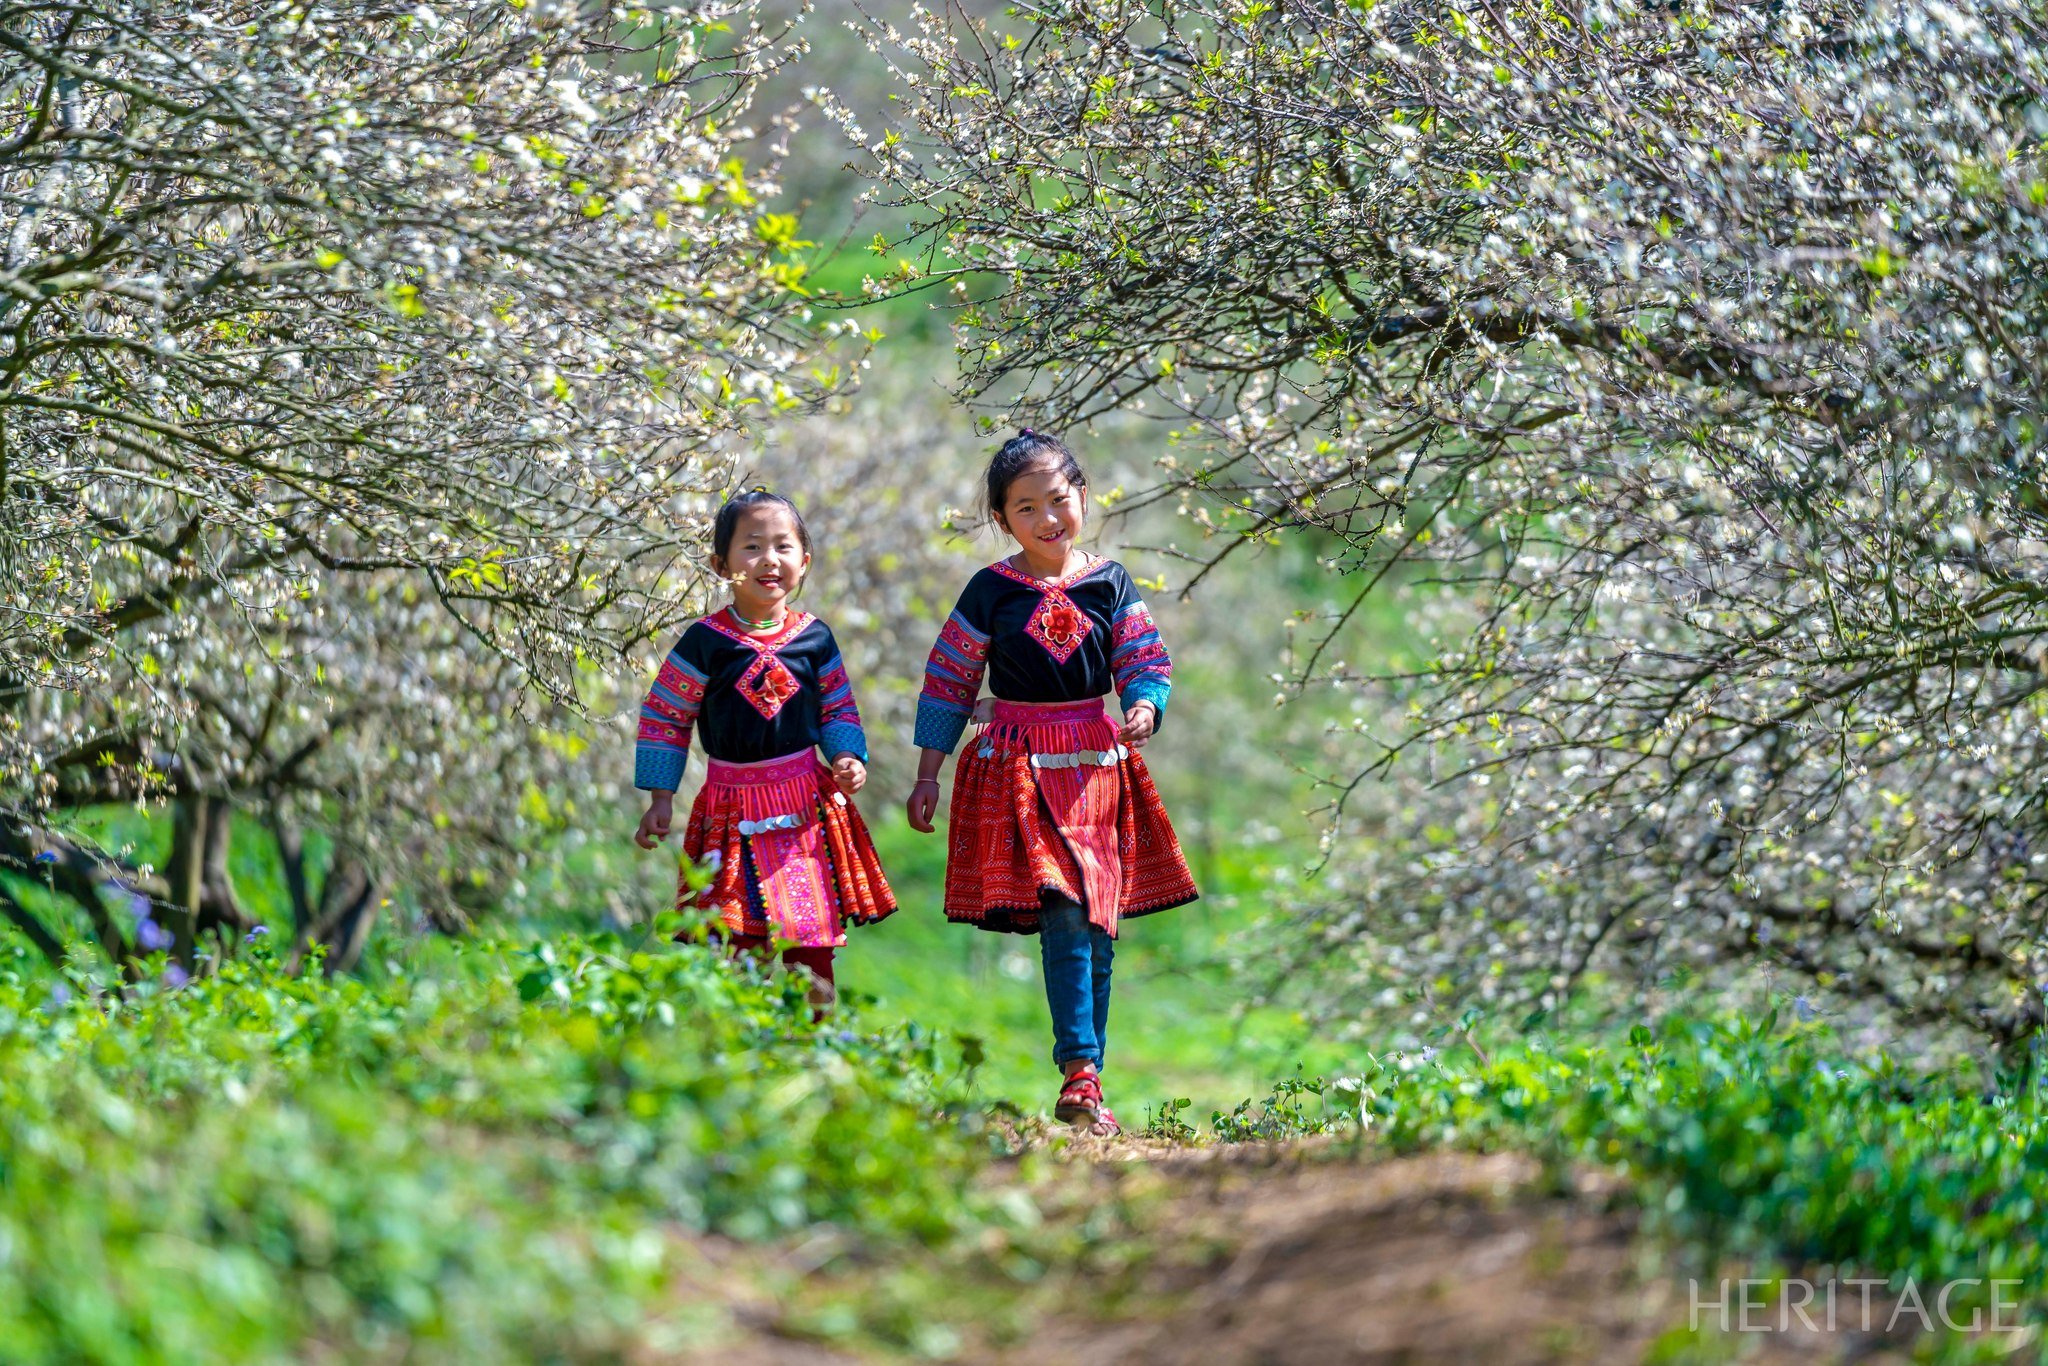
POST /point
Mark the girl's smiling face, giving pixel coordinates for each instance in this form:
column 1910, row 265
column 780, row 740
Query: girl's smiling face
column 1045, row 512
column 766, row 561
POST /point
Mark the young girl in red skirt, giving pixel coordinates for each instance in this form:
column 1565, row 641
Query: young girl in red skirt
column 1055, row 827
column 763, row 686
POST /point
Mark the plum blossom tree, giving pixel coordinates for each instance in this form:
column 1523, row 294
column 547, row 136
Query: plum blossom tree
column 364, row 370
column 1681, row 363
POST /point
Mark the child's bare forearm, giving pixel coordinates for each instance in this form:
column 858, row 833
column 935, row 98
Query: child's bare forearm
column 929, row 762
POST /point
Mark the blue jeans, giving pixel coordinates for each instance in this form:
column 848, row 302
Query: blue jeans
column 1076, row 956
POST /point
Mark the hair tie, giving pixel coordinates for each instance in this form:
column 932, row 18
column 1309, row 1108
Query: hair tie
column 1026, row 431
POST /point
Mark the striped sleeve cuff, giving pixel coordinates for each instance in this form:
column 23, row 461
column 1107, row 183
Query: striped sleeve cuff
column 843, row 737
column 939, row 726
column 658, row 768
column 1148, row 688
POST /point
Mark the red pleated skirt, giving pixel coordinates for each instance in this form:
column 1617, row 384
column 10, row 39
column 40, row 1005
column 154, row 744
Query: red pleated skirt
column 1046, row 801
column 793, row 859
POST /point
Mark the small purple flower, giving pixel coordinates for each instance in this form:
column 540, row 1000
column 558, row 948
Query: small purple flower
column 46, row 856
column 175, row 977
column 255, row 934
column 60, row 995
column 713, row 861
column 1804, row 1009
column 138, row 905
column 152, row 936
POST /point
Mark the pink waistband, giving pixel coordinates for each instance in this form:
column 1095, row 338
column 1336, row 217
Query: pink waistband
column 764, row 772
column 1047, row 713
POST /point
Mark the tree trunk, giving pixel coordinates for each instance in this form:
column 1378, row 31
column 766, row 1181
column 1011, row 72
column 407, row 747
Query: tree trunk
column 220, row 910
column 202, row 888
column 191, row 814
column 291, row 854
column 347, row 930
column 349, row 899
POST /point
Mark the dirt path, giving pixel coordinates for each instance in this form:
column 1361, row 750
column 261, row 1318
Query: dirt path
column 1277, row 1258
column 1280, row 1256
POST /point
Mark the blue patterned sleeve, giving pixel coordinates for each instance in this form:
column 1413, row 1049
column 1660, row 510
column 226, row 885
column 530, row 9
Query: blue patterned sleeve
column 1137, row 657
column 667, row 717
column 952, row 680
column 839, row 728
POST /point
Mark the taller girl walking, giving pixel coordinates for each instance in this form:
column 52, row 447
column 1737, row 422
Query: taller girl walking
column 1056, row 828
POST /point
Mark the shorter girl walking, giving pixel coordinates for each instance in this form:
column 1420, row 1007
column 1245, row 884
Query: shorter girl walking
column 763, row 686
column 1055, row 826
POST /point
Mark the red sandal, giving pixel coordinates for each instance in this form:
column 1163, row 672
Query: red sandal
column 1080, row 1102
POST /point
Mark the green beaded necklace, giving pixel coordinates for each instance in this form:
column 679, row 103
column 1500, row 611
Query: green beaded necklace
column 767, row 625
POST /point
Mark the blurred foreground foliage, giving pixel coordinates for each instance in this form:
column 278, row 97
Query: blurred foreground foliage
column 496, row 1152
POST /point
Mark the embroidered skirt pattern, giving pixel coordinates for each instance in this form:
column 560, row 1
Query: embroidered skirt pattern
column 794, row 859
column 1046, row 800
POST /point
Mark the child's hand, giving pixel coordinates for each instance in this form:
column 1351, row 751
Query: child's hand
column 1138, row 724
column 923, row 804
column 850, row 773
column 661, row 813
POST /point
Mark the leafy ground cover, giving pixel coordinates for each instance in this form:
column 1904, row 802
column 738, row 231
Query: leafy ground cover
column 493, row 1153
column 576, row 1147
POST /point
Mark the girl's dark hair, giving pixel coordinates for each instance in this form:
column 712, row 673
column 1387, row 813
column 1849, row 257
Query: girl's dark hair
column 1023, row 453
column 729, row 519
